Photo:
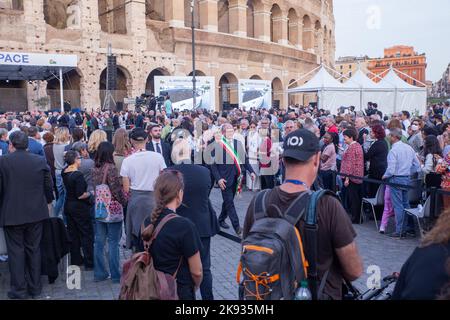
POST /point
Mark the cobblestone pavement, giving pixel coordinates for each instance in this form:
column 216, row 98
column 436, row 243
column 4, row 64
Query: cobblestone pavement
column 376, row 249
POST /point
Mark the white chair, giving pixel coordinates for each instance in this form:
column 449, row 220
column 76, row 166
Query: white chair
column 419, row 213
column 377, row 201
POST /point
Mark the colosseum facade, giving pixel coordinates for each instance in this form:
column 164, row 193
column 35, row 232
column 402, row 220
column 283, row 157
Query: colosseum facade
column 276, row 40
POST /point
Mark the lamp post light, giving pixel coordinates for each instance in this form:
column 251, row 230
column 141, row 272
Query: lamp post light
column 194, row 84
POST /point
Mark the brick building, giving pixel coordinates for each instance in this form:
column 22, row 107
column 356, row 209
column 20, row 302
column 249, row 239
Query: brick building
column 404, row 59
column 276, row 40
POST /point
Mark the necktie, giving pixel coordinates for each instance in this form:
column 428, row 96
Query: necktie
column 158, row 148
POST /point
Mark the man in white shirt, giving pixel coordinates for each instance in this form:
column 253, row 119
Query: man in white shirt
column 139, row 172
column 402, row 163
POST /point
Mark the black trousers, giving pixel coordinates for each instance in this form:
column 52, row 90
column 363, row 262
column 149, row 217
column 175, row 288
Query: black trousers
column 185, row 292
column 206, row 287
column 81, row 233
column 267, row 182
column 24, row 258
column 327, row 179
column 228, row 208
column 354, row 200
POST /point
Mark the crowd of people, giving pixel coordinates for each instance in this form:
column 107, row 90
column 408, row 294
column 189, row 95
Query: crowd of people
column 109, row 174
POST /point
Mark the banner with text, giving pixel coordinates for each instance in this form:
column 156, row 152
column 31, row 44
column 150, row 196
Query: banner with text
column 180, row 91
column 255, row 94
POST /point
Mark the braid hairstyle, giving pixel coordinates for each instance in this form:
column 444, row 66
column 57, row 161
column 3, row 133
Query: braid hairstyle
column 167, row 188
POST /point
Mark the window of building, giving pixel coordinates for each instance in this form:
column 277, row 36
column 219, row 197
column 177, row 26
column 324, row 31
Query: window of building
column 350, row 66
column 350, row 74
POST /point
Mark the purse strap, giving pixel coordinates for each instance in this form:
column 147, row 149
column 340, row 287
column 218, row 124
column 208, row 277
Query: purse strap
column 147, row 244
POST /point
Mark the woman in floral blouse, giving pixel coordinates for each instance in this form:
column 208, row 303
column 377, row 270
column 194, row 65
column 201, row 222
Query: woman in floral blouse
column 353, row 164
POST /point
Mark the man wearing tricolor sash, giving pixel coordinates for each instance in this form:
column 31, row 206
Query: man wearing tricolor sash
column 229, row 165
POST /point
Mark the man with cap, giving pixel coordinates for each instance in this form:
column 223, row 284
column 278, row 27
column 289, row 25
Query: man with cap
column 139, row 172
column 337, row 254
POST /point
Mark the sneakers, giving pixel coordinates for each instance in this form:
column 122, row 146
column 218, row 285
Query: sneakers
column 3, row 258
column 239, row 232
column 224, row 225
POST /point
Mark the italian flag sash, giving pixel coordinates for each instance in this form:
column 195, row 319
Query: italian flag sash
column 234, row 155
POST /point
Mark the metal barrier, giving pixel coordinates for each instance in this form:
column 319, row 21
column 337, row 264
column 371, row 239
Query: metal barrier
column 434, row 192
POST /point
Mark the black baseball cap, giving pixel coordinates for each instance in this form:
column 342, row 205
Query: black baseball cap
column 301, row 145
column 138, row 134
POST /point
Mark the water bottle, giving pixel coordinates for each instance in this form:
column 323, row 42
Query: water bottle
column 303, row 292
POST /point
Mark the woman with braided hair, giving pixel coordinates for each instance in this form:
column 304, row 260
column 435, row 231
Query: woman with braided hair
column 176, row 249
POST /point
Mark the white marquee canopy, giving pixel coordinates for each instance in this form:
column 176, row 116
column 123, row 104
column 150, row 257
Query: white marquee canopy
column 392, row 94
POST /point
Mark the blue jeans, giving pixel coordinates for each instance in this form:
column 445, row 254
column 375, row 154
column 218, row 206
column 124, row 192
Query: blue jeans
column 59, row 205
column 400, row 202
column 111, row 232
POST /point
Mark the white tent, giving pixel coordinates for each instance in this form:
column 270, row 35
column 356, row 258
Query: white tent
column 330, row 92
column 406, row 96
column 369, row 91
column 392, row 94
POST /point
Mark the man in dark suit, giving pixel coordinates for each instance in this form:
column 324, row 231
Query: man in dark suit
column 24, row 175
column 197, row 207
column 226, row 173
column 155, row 144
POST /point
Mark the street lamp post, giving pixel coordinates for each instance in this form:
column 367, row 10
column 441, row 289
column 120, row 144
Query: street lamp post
column 194, row 84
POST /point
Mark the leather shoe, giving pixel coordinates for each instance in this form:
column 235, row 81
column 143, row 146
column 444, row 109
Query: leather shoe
column 224, row 225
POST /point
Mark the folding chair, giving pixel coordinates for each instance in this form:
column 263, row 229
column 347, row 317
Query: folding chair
column 377, row 201
column 419, row 213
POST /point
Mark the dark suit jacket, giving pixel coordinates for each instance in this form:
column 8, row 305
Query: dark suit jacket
column 223, row 166
column 166, row 151
column 25, row 188
column 196, row 206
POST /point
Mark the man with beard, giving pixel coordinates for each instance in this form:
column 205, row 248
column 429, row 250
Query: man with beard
column 155, row 144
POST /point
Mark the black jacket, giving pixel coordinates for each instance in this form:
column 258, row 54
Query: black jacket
column 377, row 155
column 223, row 166
column 166, row 151
column 196, row 205
column 55, row 244
column 26, row 188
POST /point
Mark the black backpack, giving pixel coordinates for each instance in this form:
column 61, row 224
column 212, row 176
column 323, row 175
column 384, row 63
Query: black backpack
column 273, row 260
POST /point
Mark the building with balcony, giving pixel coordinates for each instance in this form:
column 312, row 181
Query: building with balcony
column 404, row 59
column 276, row 40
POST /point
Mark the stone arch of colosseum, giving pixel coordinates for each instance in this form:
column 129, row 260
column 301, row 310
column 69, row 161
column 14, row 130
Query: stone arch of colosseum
column 152, row 34
column 150, row 82
column 228, row 90
column 256, row 77
column 72, row 89
column 122, row 86
column 198, row 73
column 277, row 92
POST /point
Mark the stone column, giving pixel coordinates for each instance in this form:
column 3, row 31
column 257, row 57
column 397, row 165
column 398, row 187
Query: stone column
column 308, row 38
column 296, row 36
column 238, row 17
column 174, row 12
column 90, row 25
column 208, row 15
column 262, row 23
column 318, row 47
column 35, row 23
column 280, row 30
column 136, row 24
